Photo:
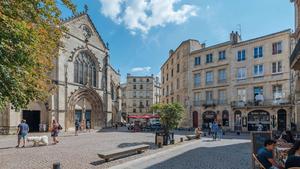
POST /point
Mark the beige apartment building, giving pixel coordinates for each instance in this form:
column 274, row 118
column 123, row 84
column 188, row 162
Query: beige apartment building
column 175, row 77
column 139, row 94
column 238, row 83
column 295, row 64
column 243, row 83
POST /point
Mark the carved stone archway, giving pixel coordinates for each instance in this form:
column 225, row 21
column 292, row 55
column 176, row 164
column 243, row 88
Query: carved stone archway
column 97, row 115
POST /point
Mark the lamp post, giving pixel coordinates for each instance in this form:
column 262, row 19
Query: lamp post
column 273, row 121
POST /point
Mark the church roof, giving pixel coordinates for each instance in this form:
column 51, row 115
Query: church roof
column 81, row 14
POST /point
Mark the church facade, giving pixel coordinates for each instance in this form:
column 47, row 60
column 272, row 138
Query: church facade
column 87, row 87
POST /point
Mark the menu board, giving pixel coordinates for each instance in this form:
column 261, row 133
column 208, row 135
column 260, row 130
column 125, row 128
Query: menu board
column 258, row 139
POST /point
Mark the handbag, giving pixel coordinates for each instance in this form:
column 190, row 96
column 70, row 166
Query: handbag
column 59, row 127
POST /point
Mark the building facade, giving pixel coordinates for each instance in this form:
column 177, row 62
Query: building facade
column 239, row 83
column 87, row 88
column 139, row 94
column 175, row 78
column 295, row 64
column 243, row 83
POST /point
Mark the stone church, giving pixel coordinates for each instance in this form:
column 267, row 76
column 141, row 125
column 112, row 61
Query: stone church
column 87, row 86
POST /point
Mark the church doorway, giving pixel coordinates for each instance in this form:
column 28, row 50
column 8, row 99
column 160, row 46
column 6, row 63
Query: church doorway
column 33, row 119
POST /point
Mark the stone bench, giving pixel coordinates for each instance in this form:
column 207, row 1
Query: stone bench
column 122, row 151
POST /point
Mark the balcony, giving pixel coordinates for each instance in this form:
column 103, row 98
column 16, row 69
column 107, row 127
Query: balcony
column 264, row 103
column 209, row 103
column 222, row 81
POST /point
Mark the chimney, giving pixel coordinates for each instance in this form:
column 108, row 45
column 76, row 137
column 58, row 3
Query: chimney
column 171, row 51
column 128, row 74
column 203, row 45
column 235, row 37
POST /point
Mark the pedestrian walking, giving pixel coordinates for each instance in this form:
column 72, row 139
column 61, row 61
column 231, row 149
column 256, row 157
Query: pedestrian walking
column 116, row 126
column 83, row 125
column 214, row 129
column 209, row 128
column 88, row 126
column 55, row 130
column 22, row 132
column 77, row 126
column 220, row 131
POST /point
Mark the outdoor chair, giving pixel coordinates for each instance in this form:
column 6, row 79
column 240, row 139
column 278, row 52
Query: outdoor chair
column 257, row 163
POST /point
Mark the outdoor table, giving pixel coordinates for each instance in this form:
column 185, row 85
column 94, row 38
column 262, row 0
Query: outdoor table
column 281, row 154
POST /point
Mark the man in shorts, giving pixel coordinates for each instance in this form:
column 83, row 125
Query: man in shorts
column 22, row 132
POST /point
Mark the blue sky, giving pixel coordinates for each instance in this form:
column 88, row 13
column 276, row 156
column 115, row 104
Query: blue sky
column 141, row 32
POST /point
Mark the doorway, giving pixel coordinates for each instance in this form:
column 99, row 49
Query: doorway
column 33, row 119
column 281, row 120
column 208, row 118
column 195, row 119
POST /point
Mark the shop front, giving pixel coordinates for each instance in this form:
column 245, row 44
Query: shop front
column 257, row 117
column 208, row 117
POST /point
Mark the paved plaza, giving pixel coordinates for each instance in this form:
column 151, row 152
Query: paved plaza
column 80, row 152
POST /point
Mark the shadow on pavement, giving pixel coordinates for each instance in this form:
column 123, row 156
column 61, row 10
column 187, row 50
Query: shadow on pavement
column 236, row 156
column 100, row 162
column 123, row 145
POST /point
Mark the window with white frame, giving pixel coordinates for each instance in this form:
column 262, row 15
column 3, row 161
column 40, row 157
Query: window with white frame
column 241, row 55
column 222, row 75
column 276, row 48
column 209, row 97
column 222, row 96
column 222, row 55
column 197, row 80
column 241, row 94
column 209, row 78
column 197, row 98
column 258, row 52
column 209, row 58
column 277, row 92
column 241, row 73
column 197, row 60
column 258, row 70
column 277, row 67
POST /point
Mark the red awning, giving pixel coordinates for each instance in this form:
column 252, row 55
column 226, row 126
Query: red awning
column 144, row 116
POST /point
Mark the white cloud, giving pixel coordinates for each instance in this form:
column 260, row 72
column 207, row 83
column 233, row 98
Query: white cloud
column 142, row 15
column 141, row 69
column 111, row 9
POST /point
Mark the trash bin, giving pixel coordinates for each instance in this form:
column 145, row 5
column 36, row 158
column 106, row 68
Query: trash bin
column 166, row 139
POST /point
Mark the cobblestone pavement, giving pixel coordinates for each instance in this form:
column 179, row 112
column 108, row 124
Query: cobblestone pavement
column 80, row 152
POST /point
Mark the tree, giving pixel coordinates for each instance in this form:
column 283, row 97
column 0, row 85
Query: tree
column 170, row 115
column 29, row 41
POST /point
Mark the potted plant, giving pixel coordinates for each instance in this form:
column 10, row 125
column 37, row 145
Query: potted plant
column 170, row 116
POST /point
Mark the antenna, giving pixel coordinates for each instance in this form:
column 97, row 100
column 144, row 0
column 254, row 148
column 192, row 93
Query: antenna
column 239, row 27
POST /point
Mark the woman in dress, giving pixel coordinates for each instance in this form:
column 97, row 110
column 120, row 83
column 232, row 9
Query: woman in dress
column 54, row 132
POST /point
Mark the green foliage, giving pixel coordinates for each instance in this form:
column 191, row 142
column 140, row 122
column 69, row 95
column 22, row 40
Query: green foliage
column 29, row 42
column 170, row 115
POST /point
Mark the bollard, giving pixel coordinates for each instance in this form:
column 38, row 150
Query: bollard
column 56, row 166
column 159, row 145
column 181, row 139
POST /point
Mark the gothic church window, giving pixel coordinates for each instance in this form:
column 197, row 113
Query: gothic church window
column 85, row 70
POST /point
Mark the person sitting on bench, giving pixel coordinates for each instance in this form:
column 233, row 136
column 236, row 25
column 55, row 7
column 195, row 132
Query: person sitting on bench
column 198, row 132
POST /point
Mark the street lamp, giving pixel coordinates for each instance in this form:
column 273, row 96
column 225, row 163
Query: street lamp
column 273, row 121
